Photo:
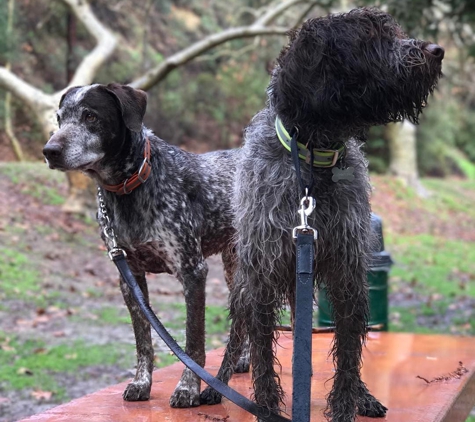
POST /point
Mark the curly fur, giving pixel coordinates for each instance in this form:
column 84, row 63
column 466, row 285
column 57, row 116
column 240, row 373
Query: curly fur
column 338, row 76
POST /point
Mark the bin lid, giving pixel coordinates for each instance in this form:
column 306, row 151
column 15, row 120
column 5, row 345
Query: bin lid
column 380, row 259
column 377, row 244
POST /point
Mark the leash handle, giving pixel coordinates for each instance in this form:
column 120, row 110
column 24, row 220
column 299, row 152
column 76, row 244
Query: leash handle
column 302, row 353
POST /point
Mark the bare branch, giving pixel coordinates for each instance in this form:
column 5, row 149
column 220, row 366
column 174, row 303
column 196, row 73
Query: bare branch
column 182, row 57
column 157, row 74
column 27, row 93
column 228, row 52
column 272, row 13
column 106, row 43
column 307, row 10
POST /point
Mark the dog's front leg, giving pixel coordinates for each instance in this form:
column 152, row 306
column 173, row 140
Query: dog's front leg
column 193, row 278
column 139, row 388
column 345, row 279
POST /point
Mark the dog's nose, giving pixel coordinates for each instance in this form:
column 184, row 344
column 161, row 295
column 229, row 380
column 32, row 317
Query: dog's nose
column 52, row 151
column 435, row 50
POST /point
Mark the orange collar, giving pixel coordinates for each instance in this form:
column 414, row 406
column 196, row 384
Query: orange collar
column 139, row 177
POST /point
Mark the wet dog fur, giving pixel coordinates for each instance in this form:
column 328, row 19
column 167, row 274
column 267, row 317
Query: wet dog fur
column 178, row 217
column 338, row 76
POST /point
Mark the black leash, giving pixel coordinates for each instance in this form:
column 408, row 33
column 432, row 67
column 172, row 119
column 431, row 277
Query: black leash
column 305, row 237
column 232, row 395
column 118, row 256
column 294, row 150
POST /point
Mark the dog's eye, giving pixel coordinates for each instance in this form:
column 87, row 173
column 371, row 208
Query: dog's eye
column 90, row 117
column 58, row 119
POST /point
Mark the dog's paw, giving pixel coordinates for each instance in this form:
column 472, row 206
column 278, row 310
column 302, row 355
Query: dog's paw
column 136, row 391
column 185, row 396
column 371, row 407
column 242, row 366
column 210, row 396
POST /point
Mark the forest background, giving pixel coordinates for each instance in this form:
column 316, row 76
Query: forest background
column 205, row 103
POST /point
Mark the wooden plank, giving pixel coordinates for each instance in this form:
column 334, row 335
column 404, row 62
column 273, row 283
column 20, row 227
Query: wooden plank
column 391, row 363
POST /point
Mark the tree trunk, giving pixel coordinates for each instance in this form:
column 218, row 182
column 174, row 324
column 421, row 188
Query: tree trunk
column 403, row 154
column 9, row 128
column 71, row 38
column 8, row 97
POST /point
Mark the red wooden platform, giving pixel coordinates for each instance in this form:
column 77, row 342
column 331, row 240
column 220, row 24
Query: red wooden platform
column 391, row 363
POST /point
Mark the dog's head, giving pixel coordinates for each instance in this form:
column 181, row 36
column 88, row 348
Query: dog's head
column 93, row 123
column 351, row 71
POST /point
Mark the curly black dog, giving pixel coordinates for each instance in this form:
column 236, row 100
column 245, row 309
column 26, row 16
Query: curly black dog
column 338, row 76
column 170, row 210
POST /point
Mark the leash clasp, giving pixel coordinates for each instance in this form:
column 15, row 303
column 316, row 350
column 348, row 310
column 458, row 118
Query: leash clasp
column 307, row 205
column 116, row 252
column 107, row 230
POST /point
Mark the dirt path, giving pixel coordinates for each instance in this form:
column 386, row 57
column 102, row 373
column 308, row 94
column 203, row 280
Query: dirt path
column 76, row 283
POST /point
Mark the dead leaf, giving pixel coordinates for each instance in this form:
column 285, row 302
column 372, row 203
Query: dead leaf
column 42, row 319
column 42, row 395
column 71, row 356
column 214, row 418
column 24, row 371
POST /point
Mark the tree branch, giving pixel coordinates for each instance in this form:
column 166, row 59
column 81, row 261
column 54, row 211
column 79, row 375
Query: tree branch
column 182, row 57
column 106, row 43
column 258, row 27
column 307, row 10
column 272, row 13
column 27, row 93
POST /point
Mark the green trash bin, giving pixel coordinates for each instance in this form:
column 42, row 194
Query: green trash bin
column 380, row 265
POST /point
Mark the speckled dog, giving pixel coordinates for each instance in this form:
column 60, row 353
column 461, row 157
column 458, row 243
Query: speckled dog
column 170, row 223
column 338, row 76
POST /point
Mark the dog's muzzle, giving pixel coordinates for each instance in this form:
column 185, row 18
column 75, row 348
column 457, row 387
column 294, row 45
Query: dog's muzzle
column 52, row 152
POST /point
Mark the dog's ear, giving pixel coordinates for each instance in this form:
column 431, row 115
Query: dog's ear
column 69, row 91
column 132, row 102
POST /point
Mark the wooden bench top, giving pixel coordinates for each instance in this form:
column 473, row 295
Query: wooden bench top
column 391, row 364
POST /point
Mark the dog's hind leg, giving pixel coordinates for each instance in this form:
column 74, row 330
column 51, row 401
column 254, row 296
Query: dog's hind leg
column 230, row 264
column 193, row 278
column 139, row 388
column 235, row 349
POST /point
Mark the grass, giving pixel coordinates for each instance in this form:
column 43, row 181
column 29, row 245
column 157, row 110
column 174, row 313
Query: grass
column 434, row 264
column 447, row 197
column 173, row 316
column 21, row 281
column 112, row 316
column 32, row 364
column 36, row 180
column 18, row 279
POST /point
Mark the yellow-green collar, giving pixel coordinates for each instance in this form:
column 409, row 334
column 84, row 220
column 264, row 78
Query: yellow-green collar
column 321, row 157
